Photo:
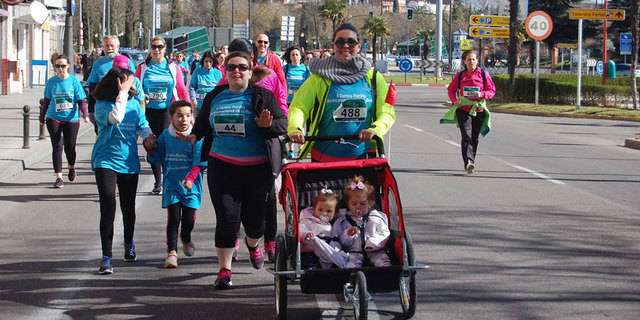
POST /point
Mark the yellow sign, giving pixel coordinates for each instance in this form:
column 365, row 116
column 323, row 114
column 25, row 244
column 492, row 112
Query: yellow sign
column 484, row 32
column 567, row 45
column 489, row 20
column 596, row 14
column 465, row 44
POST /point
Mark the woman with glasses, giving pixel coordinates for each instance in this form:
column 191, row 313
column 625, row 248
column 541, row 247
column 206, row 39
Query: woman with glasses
column 343, row 96
column 204, row 79
column 162, row 82
column 115, row 159
column 240, row 123
column 63, row 96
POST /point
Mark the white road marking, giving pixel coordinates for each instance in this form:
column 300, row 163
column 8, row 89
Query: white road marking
column 414, row 128
column 452, row 143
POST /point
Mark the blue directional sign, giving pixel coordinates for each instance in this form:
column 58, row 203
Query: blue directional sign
column 405, row 65
column 599, row 67
column 625, row 43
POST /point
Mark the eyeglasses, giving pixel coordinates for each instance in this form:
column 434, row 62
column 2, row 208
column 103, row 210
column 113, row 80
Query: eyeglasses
column 342, row 41
column 241, row 67
column 61, row 65
column 160, row 47
column 263, row 41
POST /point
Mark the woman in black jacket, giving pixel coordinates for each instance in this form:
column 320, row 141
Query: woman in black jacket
column 240, row 123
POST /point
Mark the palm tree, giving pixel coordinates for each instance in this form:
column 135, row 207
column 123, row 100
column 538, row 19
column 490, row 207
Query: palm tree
column 426, row 35
column 334, row 10
column 374, row 27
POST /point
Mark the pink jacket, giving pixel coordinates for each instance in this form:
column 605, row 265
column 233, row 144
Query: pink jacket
column 471, row 80
column 273, row 62
column 271, row 83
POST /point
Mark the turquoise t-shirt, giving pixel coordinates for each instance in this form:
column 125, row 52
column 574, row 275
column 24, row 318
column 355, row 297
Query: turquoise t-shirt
column 348, row 110
column 235, row 131
column 178, row 157
column 296, row 75
column 184, row 65
column 115, row 147
column 158, row 85
column 102, row 66
column 64, row 95
column 203, row 81
column 261, row 58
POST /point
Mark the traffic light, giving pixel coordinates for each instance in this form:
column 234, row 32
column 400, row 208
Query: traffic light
column 409, row 14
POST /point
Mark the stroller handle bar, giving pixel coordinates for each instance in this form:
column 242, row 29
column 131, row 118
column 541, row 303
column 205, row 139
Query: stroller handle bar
column 342, row 139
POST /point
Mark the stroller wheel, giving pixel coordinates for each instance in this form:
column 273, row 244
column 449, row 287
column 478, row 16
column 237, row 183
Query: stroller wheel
column 407, row 281
column 281, row 297
column 360, row 298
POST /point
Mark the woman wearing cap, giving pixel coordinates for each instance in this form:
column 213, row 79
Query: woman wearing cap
column 63, row 97
column 204, row 79
column 338, row 99
column 240, row 123
column 162, row 82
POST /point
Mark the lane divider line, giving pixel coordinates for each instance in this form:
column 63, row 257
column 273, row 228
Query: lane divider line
column 414, row 128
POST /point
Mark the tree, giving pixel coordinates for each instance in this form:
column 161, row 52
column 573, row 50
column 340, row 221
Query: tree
column 374, row 27
column 635, row 43
column 426, row 34
column 334, row 10
column 513, row 46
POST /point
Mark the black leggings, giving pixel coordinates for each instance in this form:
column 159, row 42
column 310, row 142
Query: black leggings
column 158, row 121
column 239, row 194
column 63, row 133
column 270, row 219
column 177, row 213
column 469, row 132
column 106, row 180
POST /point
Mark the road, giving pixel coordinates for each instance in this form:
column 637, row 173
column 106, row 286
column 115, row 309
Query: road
column 547, row 228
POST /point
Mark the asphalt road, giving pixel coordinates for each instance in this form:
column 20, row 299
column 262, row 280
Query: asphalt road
column 547, row 228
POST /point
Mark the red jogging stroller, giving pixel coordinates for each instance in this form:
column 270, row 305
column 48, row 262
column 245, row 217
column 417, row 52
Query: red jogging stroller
column 301, row 182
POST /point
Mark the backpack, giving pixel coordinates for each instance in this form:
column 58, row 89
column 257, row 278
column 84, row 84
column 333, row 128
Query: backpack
column 484, row 79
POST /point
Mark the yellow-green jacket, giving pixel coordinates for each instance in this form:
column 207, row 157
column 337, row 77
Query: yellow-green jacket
column 309, row 102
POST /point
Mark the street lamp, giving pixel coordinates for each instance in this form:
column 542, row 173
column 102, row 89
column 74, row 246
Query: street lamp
column 301, row 40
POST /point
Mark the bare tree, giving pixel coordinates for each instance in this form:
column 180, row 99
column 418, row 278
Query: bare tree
column 513, row 45
column 634, row 50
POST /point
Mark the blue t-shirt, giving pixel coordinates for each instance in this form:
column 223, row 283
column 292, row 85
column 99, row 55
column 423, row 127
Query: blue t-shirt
column 185, row 66
column 158, row 85
column 203, row 81
column 261, row 58
column 102, row 66
column 64, row 95
column 115, row 147
column 178, row 157
column 236, row 134
column 296, row 75
column 348, row 110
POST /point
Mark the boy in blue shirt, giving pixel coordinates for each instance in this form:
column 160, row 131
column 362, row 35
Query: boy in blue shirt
column 182, row 183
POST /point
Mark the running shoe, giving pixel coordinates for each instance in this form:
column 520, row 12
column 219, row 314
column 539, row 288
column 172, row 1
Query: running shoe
column 255, row 256
column 188, row 248
column 235, row 251
column 157, row 188
column 105, row 266
column 59, row 184
column 224, row 280
column 470, row 167
column 172, row 260
column 130, row 252
column 270, row 249
column 72, row 175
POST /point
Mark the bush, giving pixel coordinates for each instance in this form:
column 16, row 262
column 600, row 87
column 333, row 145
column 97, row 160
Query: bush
column 562, row 89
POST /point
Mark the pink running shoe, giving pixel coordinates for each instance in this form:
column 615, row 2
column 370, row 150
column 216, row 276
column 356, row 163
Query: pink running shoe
column 255, row 256
column 224, row 280
column 270, row 249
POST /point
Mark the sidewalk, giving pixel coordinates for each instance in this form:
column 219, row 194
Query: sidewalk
column 13, row 158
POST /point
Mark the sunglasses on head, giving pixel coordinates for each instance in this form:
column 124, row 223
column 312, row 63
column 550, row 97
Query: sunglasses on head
column 232, row 67
column 61, row 65
column 263, row 41
column 342, row 41
column 160, row 46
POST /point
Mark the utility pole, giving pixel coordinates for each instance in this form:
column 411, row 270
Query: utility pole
column 450, row 51
column 68, row 37
column 438, row 38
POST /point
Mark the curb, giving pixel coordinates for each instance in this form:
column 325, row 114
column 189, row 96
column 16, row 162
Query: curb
column 633, row 143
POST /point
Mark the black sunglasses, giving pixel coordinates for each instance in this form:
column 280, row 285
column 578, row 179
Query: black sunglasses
column 242, row 67
column 153, row 46
column 61, row 65
column 262, row 41
column 341, row 42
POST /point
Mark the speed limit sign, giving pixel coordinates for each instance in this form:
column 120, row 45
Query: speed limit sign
column 538, row 25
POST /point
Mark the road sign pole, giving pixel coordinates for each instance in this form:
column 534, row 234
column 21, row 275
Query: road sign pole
column 604, row 50
column 578, row 98
column 537, row 69
column 405, row 78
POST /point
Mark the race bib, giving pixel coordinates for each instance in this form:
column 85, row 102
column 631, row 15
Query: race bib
column 201, row 93
column 351, row 111
column 157, row 93
column 469, row 92
column 64, row 103
column 229, row 125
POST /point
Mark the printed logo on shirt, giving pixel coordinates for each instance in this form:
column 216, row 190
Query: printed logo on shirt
column 351, row 111
column 158, row 93
column 63, row 101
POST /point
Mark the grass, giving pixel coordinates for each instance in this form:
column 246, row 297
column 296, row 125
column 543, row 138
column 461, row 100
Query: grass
column 414, row 78
column 566, row 110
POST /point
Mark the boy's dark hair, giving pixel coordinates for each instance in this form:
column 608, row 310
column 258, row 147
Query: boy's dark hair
column 208, row 54
column 58, row 57
column 241, row 44
column 235, row 54
column 346, row 26
column 107, row 88
column 178, row 104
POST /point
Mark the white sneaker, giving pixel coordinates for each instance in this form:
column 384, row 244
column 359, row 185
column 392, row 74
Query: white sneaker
column 470, row 167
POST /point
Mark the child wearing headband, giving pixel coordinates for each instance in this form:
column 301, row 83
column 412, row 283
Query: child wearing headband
column 363, row 232
column 318, row 248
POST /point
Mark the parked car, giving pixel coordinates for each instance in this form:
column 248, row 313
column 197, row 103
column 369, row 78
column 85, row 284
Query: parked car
column 623, row 69
column 136, row 56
